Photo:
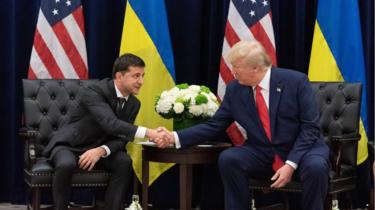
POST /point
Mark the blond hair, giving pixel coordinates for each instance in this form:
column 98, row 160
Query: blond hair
column 252, row 52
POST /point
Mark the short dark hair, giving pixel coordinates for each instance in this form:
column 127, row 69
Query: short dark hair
column 126, row 60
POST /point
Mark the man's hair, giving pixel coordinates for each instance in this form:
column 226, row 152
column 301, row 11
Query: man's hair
column 126, row 60
column 252, row 52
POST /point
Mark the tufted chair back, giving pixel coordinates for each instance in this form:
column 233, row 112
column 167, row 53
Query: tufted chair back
column 339, row 105
column 48, row 104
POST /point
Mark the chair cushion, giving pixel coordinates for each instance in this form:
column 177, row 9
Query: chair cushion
column 40, row 175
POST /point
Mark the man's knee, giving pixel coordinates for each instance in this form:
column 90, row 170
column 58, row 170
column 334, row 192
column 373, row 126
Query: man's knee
column 315, row 166
column 123, row 162
column 66, row 166
column 227, row 160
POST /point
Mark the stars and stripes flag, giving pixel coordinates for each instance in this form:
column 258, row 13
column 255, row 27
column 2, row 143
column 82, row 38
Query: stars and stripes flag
column 59, row 49
column 247, row 20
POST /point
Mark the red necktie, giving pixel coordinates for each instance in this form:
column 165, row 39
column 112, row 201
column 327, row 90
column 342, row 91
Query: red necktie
column 265, row 119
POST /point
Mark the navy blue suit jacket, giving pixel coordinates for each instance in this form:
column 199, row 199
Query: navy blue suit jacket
column 294, row 118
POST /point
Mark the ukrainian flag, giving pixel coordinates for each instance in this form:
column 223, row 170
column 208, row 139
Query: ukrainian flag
column 337, row 53
column 146, row 34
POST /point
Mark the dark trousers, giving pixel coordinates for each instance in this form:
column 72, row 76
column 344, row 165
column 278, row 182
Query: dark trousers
column 66, row 162
column 237, row 165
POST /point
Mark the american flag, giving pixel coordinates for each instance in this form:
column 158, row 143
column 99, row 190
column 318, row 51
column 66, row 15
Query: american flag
column 59, row 49
column 247, row 20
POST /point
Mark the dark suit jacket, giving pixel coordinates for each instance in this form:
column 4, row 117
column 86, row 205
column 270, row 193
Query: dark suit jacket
column 294, row 119
column 95, row 123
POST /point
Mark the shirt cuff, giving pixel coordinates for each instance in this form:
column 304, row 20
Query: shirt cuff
column 294, row 165
column 107, row 151
column 141, row 132
column 176, row 140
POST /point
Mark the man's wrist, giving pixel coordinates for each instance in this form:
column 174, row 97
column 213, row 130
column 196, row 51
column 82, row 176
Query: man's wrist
column 150, row 133
column 141, row 132
column 104, row 151
column 292, row 164
column 176, row 140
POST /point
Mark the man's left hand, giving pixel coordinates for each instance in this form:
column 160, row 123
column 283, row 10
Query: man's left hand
column 89, row 158
column 282, row 176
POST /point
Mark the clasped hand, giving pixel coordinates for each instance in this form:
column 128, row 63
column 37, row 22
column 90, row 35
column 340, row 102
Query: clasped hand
column 161, row 136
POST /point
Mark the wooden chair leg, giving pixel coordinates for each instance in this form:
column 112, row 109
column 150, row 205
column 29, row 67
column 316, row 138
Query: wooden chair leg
column 35, row 198
column 135, row 184
column 286, row 201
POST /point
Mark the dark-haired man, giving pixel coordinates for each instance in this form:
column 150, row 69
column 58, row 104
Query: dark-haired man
column 97, row 132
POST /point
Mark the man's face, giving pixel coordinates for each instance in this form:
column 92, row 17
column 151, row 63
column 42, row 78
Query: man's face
column 247, row 74
column 131, row 81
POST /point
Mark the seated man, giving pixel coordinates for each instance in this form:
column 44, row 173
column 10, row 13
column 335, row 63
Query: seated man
column 277, row 109
column 97, row 132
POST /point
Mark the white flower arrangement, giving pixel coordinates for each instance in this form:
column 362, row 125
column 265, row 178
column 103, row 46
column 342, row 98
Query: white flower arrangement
column 187, row 102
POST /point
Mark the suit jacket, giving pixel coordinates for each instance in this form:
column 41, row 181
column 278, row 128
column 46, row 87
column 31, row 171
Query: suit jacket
column 294, row 119
column 94, row 122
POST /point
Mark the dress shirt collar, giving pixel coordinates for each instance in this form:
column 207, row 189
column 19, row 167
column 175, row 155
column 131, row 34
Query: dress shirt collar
column 265, row 82
column 119, row 94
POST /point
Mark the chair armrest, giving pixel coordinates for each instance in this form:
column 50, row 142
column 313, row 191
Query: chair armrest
column 30, row 153
column 28, row 133
column 350, row 138
column 337, row 148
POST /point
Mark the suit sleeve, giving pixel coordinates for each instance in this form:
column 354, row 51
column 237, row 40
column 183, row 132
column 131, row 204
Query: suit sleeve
column 101, row 111
column 212, row 128
column 309, row 122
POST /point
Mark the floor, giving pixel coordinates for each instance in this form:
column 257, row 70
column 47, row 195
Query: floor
column 7, row 206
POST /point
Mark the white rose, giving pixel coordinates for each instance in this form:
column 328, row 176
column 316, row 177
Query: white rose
column 194, row 88
column 178, row 108
column 163, row 106
column 174, row 92
column 196, row 110
column 191, row 97
column 181, row 93
column 212, row 97
column 211, row 108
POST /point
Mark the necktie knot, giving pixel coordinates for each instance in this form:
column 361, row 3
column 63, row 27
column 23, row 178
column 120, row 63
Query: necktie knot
column 121, row 100
column 258, row 89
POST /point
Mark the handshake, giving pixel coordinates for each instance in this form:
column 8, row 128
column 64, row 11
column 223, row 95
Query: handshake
column 161, row 136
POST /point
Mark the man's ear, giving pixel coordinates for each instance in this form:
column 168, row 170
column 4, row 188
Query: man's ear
column 118, row 74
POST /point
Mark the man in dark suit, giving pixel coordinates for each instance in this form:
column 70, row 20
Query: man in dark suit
column 97, row 132
column 276, row 108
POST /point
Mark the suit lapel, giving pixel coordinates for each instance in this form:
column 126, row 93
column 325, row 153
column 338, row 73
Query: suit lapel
column 247, row 98
column 276, row 88
column 112, row 95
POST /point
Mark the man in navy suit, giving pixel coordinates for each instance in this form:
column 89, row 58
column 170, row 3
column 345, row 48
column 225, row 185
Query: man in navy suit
column 276, row 107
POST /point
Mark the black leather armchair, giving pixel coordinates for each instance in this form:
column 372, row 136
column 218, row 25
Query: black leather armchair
column 47, row 105
column 339, row 104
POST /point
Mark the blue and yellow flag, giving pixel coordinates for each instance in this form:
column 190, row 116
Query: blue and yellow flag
column 337, row 53
column 146, row 34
